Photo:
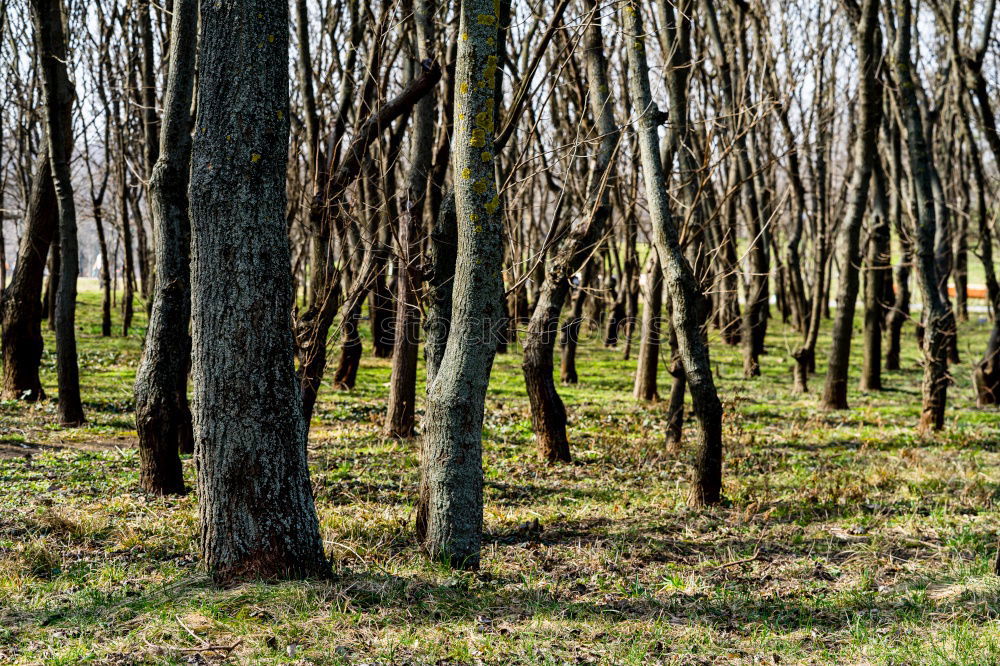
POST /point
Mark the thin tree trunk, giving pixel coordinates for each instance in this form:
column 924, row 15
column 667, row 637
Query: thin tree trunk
column 869, row 108
column 570, row 338
column 877, row 273
column 163, row 419
column 680, row 281
column 548, row 413
column 51, row 41
column 400, row 418
column 440, row 278
column 935, row 382
column 649, row 348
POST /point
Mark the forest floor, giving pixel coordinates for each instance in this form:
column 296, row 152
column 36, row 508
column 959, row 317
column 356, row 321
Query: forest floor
column 845, row 538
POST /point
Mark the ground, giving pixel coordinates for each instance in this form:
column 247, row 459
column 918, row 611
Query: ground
column 845, row 538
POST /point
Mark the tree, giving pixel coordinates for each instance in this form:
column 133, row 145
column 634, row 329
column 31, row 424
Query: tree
column 21, row 302
column 256, row 506
column 686, row 299
column 869, row 110
column 399, row 421
column 935, row 382
column 58, row 93
column 548, row 414
column 163, row 418
column 450, row 506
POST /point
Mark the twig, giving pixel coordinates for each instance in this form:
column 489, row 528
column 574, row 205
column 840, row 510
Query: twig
column 754, row 557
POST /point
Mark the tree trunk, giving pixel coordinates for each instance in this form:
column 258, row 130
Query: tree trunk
column 58, row 93
column 400, row 419
column 754, row 323
column 440, row 277
column 685, row 295
column 52, row 284
column 450, row 506
column 128, row 285
column 877, row 274
column 105, row 276
column 869, row 108
column 21, row 303
column 570, row 338
column 935, row 382
column 163, row 419
column 899, row 311
column 256, row 507
column 678, row 384
column 548, row 414
column 649, row 348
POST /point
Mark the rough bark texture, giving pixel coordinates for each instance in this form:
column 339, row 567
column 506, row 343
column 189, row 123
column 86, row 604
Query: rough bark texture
column 256, row 507
column 58, row 93
column 21, row 305
column 163, row 419
column 450, row 509
column 548, row 414
column 679, row 278
column 869, row 108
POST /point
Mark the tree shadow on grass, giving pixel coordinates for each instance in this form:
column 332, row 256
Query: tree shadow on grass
column 737, row 600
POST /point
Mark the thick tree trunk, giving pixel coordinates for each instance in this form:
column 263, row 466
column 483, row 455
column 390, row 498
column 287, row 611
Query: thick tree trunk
column 868, row 43
column 256, row 507
column 163, row 419
column 685, row 296
column 450, row 506
column 58, row 92
column 21, row 305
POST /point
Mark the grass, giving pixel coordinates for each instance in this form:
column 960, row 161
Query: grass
column 846, row 538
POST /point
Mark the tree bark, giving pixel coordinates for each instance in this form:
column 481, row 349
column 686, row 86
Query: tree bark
column 877, row 274
column 22, row 299
column 163, row 419
column 548, row 413
column 649, row 348
column 686, row 299
column 400, row 418
column 59, row 94
column 450, row 507
column 869, row 110
column 256, row 507
column 935, row 381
